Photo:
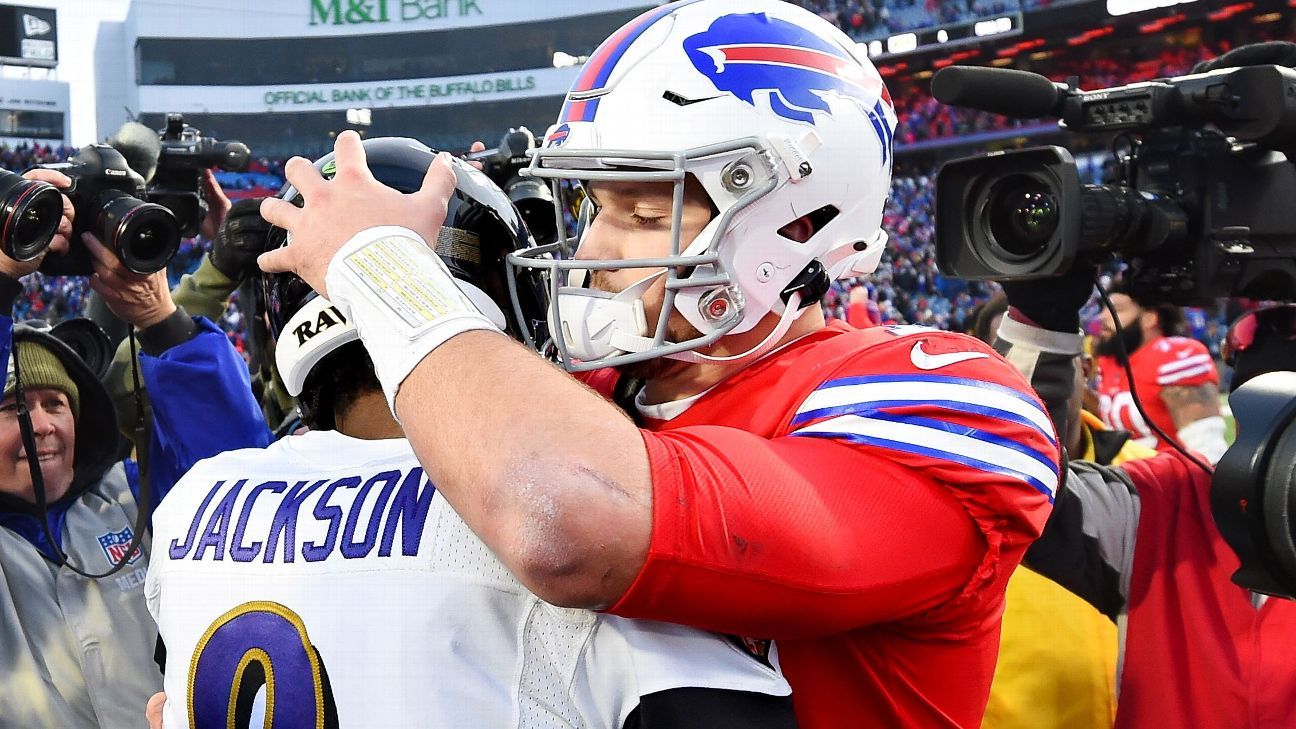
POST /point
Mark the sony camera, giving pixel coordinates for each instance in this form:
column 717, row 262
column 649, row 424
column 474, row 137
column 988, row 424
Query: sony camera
column 1200, row 207
column 531, row 196
column 184, row 154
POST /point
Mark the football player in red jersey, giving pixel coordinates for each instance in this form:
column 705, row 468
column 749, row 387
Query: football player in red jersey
column 860, row 497
column 1174, row 376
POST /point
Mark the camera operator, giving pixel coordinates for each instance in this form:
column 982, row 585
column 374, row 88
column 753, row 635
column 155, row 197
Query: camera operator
column 1174, row 376
column 1139, row 543
column 79, row 649
column 1068, row 681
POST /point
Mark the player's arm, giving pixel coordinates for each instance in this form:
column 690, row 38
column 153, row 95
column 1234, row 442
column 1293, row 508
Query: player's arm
column 1190, row 391
column 558, row 484
column 782, row 538
column 747, row 535
column 1190, row 403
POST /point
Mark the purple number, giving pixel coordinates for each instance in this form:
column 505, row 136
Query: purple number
column 255, row 644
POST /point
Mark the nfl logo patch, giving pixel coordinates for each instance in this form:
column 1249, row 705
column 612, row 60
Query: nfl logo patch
column 115, row 544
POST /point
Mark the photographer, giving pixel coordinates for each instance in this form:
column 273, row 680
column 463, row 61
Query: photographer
column 79, row 650
column 1140, row 544
column 230, row 266
column 1068, row 681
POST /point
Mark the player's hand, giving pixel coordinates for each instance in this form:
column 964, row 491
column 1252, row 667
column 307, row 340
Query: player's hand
column 335, row 210
column 154, row 711
column 240, row 240
column 218, row 206
column 62, row 235
column 143, row 299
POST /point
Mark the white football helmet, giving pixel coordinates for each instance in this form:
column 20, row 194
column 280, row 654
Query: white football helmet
column 778, row 114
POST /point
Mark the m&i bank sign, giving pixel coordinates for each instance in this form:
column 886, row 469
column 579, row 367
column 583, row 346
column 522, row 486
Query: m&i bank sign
column 362, row 12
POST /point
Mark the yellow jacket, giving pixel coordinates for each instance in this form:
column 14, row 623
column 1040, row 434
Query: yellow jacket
column 1057, row 654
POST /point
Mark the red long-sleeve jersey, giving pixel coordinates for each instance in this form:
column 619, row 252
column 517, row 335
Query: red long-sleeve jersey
column 1158, row 364
column 861, row 497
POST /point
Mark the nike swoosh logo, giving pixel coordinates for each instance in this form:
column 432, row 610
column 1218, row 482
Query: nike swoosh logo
column 924, row 361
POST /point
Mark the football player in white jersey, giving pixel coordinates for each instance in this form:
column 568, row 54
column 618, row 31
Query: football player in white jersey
column 323, row 581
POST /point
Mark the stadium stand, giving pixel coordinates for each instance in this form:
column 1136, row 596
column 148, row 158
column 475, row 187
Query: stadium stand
column 907, row 288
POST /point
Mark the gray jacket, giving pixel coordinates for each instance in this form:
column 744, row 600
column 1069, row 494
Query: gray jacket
column 76, row 652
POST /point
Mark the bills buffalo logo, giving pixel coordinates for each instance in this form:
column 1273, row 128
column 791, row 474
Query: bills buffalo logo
column 115, row 544
column 558, row 137
column 754, row 56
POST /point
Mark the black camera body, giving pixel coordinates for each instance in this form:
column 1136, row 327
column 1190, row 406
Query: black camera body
column 106, row 195
column 184, row 154
column 1201, row 205
column 532, row 197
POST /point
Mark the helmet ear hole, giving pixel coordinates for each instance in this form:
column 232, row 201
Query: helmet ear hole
column 803, row 228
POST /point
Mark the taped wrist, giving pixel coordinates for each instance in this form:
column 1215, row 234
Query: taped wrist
column 402, row 299
column 1205, row 436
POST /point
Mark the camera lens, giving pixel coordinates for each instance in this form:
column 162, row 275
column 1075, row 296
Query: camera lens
column 535, row 202
column 143, row 235
column 1023, row 215
column 30, row 211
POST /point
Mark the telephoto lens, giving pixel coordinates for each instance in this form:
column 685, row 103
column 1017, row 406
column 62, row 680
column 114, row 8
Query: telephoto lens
column 143, row 235
column 30, row 211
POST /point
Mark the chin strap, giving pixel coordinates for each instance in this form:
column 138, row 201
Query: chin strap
column 791, row 310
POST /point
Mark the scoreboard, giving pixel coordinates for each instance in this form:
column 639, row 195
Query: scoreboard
column 28, row 36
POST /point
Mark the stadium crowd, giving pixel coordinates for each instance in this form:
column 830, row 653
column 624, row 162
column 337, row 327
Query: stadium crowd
column 864, row 19
column 907, row 288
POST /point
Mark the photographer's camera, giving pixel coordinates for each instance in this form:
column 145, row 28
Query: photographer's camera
column 183, row 156
column 531, row 196
column 106, row 194
column 140, row 195
column 29, row 215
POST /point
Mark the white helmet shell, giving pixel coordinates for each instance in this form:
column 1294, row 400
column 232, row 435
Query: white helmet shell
column 775, row 111
column 310, row 334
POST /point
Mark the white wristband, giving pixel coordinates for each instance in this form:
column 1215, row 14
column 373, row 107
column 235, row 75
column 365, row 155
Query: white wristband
column 402, row 298
column 1206, row 436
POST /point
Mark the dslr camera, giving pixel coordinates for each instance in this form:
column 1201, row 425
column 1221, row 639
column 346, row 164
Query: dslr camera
column 531, row 196
column 107, row 196
column 183, row 156
column 141, row 223
column 1201, row 206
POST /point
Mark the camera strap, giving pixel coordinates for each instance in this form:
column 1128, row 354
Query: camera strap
column 143, row 500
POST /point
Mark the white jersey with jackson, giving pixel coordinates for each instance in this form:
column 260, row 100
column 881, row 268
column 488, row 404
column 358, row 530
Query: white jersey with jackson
column 325, row 582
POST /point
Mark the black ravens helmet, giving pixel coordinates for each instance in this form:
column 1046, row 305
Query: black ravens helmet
column 481, row 229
